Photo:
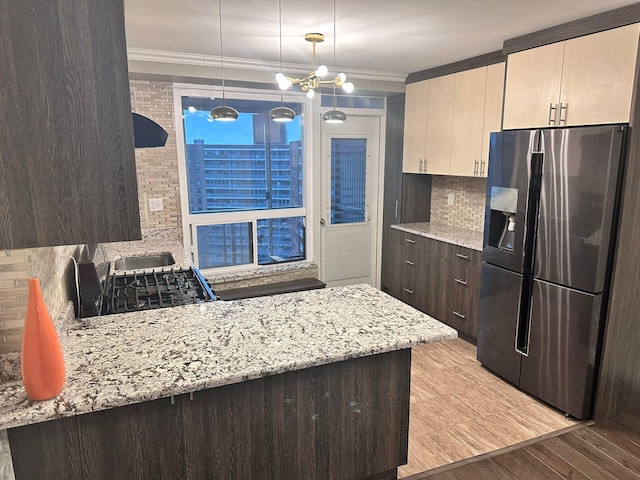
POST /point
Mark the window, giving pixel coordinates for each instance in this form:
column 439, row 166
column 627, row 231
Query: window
column 244, row 184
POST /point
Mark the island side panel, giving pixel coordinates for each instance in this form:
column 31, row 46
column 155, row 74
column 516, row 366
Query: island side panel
column 342, row 420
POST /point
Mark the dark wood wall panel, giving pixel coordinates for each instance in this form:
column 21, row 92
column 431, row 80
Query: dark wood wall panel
column 392, row 204
column 618, row 387
column 467, row 64
column 584, row 26
column 416, row 198
column 67, row 159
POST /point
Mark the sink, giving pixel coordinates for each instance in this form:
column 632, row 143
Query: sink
column 147, row 261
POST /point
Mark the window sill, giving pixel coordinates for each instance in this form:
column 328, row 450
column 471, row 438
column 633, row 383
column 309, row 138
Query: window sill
column 261, row 275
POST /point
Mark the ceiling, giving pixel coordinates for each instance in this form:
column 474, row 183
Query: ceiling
column 374, row 37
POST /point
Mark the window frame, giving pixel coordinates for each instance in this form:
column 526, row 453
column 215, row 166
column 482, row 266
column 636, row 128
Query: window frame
column 191, row 221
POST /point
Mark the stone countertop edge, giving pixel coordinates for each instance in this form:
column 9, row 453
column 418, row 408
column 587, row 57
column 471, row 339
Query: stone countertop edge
column 457, row 236
column 123, row 359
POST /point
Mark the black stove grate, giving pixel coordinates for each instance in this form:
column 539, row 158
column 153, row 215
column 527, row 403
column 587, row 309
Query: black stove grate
column 131, row 292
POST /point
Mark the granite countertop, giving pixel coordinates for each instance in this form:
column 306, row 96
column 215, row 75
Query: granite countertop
column 445, row 233
column 122, row 359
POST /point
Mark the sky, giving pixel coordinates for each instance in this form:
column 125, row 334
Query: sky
column 198, row 125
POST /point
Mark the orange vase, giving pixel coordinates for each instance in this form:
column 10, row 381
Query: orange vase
column 43, row 372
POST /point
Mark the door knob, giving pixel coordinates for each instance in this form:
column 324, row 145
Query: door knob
column 322, row 222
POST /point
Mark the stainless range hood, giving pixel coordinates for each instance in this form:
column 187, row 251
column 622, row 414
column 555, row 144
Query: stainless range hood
column 147, row 133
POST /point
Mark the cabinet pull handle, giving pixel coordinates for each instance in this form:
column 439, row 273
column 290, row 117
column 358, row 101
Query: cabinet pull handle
column 408, row 291
column 482, row 162
column 421, row 165
column 409, row 240
column 397, row 206
column 458, row 314
column 552, row 114
column 464, row 257
column 475, row 168
column 564, row 107
column 173, row 400
column 408, row 262
column 462, row 282
column 190, row 395
column 425, row 165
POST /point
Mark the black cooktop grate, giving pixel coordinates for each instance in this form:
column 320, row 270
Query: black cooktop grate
column 144, row 291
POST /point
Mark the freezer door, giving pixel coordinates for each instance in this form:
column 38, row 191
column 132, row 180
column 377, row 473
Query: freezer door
column 560, row 366
column 499, row 301
column 577, row 199
column 507, row 190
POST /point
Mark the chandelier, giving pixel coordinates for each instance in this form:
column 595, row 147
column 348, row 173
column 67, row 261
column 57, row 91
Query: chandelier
column 314, row 80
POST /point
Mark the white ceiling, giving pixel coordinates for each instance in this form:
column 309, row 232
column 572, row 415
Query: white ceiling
column 393, row 36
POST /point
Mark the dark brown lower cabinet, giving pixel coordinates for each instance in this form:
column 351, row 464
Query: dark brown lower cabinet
column 438, row 278
column 346, row 420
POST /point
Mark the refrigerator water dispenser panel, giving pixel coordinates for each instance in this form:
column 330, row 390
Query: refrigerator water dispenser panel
column 503, row 205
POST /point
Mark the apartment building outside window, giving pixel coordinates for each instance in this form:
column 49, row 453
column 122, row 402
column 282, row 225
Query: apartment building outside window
column 244, row 184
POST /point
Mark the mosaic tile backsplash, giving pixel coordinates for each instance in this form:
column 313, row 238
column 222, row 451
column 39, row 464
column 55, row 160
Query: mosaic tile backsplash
column 469, row 198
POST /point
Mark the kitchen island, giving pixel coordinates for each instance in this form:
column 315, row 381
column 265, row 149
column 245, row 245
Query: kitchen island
column 308, row 383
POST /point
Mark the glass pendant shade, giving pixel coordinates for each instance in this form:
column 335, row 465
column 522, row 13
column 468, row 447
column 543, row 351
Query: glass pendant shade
column 282, row 114
column 334, row 116
column 224, row 113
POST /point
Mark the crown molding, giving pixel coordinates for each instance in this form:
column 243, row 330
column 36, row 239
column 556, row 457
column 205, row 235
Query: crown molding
column 179, row 58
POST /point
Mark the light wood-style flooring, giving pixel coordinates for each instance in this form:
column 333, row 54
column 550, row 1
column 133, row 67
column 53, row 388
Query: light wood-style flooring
column 460, row 410
column 607, row 450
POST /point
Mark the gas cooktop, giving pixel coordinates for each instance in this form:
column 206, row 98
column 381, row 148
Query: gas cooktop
column 130, row 292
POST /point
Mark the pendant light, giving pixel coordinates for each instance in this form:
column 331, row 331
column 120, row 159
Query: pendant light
column 223, row 113
column 281, row 113
column 334, row 115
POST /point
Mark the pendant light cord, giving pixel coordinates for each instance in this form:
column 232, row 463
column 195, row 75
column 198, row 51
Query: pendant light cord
column 334, row 52
column 280, row 30
column 224, row 103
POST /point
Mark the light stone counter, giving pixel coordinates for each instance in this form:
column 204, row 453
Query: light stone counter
column 122, row 359
column 454, row 235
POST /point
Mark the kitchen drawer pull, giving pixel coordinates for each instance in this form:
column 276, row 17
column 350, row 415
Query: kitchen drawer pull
column 409, row 240
column 464, row 257
column 421, row 165
column 458, row 314
column 482, row 162
column 475, row 168
column 408, row 291
column 409, row 262
column 463, row 282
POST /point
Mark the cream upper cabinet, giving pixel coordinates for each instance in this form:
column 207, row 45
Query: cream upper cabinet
column 585, row 80
column 415, row 127
column 597, row 77
column 532, row 86
column 448, row 120
column 468, row 122
column 440, row 124
column 492, row 111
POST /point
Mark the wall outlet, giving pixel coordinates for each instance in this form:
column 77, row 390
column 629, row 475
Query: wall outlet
column 449, row 199
column 155, row 204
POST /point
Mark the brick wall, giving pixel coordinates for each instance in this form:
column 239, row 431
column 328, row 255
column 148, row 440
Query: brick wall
column 157, row 168
column 469, row 198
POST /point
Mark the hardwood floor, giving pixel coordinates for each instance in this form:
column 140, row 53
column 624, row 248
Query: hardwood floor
column 461, row 410
column 607, row 450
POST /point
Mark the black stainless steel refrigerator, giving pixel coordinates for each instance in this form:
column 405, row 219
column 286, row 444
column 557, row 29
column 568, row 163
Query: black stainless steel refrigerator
column 552, row 202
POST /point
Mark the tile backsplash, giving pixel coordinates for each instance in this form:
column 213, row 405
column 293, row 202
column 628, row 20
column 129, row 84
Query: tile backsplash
column 53, row 266
column 469, row 198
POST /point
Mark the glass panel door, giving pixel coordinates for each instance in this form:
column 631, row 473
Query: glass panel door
column 348, row 180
